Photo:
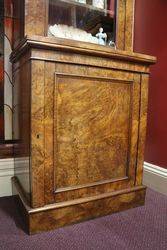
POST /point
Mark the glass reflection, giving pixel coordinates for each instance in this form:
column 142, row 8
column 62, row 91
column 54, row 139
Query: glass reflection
column 84, row 20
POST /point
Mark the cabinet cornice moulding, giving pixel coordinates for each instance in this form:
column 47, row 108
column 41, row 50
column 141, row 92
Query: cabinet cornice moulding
column 58, row 44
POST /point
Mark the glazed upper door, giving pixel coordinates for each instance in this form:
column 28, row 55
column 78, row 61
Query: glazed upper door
column 91, row 21
column 85, row 16
column 95, row 134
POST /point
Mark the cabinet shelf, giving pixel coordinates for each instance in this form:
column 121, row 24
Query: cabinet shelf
column 83, row 5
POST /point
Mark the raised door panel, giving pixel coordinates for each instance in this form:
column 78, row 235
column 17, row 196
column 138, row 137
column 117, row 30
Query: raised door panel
column 95, row 134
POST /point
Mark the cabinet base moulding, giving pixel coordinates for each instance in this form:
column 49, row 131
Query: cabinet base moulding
column 65, row 213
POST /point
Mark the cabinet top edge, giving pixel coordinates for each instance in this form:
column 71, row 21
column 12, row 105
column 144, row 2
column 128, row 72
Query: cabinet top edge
column 58, row 44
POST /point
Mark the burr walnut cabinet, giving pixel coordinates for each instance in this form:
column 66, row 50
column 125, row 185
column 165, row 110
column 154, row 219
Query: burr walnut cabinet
column 80, row 112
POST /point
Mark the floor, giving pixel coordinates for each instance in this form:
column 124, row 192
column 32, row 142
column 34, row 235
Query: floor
column 139, row 228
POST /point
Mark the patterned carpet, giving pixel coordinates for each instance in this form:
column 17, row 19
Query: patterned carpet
column 139, row 228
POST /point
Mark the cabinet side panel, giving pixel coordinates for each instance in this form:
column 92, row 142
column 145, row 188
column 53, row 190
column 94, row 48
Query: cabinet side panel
column 134, row 128
column 37, row 133
column 21, row 125
column 49, row 164
column 142, row 127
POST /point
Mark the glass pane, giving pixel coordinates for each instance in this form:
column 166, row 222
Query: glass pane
column 8, row 88
column 83, row 20
column 7, row 69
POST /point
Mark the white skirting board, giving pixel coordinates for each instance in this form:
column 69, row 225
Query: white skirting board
column 154, row 177
column 6, row 172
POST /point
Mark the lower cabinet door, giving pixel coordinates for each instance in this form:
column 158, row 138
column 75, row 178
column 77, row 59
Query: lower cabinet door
column 95, row 134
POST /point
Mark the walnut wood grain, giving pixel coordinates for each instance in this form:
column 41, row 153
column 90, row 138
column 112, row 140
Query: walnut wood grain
column 82, row 121
column 91, row 126
column 91, row 189
column 120, row 24
column 37, row 134
column 129, row 25
column 133, row 137
column 87, row 120
column 81, row 212
column 76, row 47
column 48, row 133
column 88, row 60
column 65, row 213
column 35, row 17
column 142, row 128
